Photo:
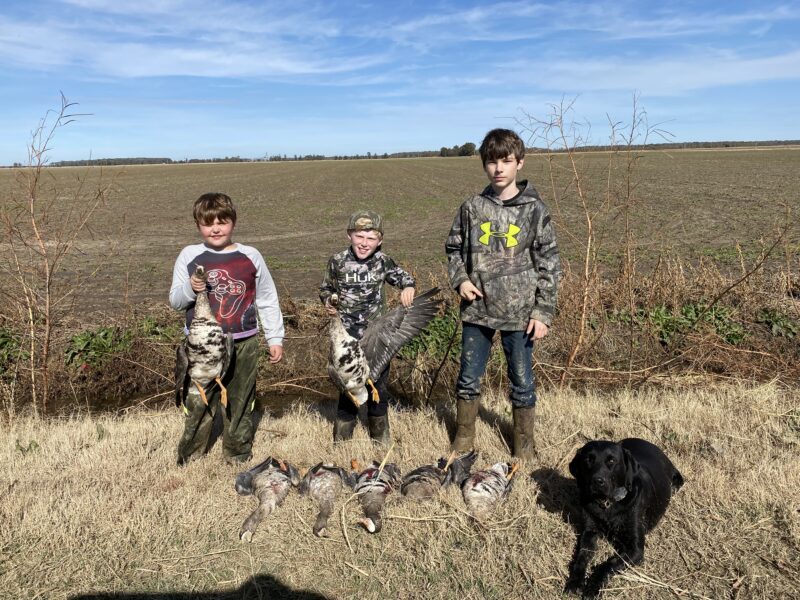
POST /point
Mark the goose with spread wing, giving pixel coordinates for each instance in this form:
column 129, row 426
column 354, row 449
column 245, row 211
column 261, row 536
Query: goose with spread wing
column 354, row 365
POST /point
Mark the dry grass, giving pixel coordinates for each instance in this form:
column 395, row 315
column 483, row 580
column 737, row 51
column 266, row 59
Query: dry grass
column 96, row 504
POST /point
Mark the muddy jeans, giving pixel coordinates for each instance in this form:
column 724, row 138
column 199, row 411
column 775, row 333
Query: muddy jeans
column 518, row 349
column 237, row 437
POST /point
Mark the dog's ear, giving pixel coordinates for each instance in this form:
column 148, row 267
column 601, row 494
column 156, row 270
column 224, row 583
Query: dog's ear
column 576, row 464
column 631, row 469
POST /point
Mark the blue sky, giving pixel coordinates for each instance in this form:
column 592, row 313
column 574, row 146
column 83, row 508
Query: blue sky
column 212, row 78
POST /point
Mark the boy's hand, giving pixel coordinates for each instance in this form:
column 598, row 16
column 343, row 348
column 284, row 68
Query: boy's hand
column 198, row 285
column 407, row 296
column 330, row 308
column 275, row 354
column 538, row 328
column 468, row 291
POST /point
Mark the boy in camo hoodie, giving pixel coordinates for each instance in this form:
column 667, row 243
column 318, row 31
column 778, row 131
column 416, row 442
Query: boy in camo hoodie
column 357, row 275
column 503, row 261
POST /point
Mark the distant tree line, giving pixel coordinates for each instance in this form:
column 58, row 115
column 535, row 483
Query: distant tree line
column 467, row 149
column 678, row 146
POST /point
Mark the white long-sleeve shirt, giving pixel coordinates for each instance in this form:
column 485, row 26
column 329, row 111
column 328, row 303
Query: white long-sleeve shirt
column 241, row 291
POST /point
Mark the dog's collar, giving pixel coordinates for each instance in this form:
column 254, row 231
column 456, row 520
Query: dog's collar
column 619, row 494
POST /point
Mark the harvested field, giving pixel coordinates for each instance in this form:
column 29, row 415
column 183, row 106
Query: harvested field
column 95, row 507
column 694, row 203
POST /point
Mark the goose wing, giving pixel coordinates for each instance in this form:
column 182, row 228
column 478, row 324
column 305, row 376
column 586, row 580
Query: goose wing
column 181, row 372
column 385, row 335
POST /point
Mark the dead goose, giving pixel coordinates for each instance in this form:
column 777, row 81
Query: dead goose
column 373, row 484
column 205, row 353
column 484, row 489
column 353, row 365
column 270, row 482
column 322, row 483
column 426, row 481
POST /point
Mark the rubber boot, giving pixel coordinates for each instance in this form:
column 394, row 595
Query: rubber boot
column 466, row 413
column 379, row 429
column 343, row 428
column 524, row 447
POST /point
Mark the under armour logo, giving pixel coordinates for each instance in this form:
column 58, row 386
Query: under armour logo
column 510, row 235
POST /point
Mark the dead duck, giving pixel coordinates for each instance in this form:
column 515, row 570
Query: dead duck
column 205, row 353
column 484, row 489
column 372, row 485
column 354, row 364
column 323, row 483
column 270, row 483
column 426, row 481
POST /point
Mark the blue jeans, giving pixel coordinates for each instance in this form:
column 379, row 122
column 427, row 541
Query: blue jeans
column 518, row 349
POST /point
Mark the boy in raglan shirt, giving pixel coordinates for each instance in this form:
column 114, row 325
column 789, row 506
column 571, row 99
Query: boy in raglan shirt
column 241, row 293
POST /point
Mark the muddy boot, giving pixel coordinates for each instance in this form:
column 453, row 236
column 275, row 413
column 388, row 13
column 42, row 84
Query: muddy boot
column 379, row 429
column 466, row 413
column 343, row 428
column 523, row 433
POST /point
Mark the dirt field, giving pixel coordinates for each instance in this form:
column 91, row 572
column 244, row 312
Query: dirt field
column 696, row 203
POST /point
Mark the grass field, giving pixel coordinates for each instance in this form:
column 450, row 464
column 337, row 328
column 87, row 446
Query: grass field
column 694, row 203
column 95, row 507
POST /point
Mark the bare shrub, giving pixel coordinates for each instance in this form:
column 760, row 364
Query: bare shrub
column 42, row 224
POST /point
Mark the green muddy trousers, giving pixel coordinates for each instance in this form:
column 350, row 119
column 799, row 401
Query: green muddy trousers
column 237, row 436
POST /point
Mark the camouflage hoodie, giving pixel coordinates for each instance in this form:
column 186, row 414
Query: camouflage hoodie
column 359, row 284
column 508, row 250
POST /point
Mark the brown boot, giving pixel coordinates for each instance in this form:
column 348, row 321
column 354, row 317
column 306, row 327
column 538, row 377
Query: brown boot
column 524, row 447
column 466, row 413
column 343, row 428
column 379, row 429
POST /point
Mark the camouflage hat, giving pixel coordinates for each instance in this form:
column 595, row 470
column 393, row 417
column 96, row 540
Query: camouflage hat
column 365, row 220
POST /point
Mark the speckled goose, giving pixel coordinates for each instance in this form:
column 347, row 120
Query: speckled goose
column 354, row 364
column 205, row 354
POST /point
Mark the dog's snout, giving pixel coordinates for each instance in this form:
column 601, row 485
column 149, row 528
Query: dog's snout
column 598, row 481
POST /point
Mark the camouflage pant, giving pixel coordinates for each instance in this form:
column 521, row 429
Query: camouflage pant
column 237, row 437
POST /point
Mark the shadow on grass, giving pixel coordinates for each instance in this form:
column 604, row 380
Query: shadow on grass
column 558, row 494
column 258, row 587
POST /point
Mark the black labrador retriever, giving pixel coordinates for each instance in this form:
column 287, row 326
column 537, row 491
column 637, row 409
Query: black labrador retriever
column 624, row 491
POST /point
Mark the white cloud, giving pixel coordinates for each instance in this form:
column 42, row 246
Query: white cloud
column 664, row 76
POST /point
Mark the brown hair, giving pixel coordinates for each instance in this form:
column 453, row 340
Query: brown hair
column 500, row 143
column 212, row 206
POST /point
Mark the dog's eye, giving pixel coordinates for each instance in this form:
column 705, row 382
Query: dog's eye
column 610, row 462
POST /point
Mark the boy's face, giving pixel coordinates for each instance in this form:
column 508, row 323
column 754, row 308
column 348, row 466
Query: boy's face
column 502, row 172
column 364, row 243
column 217, row 235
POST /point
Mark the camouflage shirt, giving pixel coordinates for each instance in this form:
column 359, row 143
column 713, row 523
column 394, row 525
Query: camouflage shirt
column 359, row 284
column 508, row 250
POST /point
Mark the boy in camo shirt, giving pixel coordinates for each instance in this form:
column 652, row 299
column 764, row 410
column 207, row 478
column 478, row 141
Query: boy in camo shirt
column 503, row 261
column 357, row 275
